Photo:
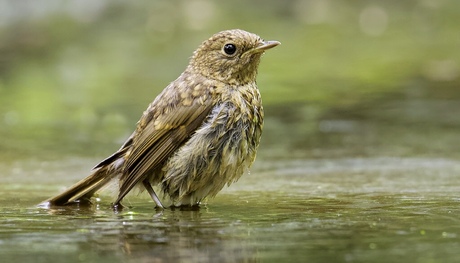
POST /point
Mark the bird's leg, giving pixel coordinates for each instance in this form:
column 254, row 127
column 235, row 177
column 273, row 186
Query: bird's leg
column 152, row 193
column 117, row 208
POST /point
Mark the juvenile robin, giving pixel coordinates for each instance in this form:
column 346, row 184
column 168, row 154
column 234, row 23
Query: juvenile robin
column 199, row 134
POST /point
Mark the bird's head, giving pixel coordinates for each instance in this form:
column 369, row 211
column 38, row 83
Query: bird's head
column 230, row 56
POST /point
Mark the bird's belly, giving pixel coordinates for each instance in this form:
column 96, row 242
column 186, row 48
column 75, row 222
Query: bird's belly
column 218, row 153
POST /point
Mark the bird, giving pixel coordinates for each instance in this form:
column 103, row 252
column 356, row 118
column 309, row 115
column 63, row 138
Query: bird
column 198, row 135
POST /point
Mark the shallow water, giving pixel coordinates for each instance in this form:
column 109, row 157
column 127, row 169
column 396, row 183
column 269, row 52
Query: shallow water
column 359, row 190
column 342, row 210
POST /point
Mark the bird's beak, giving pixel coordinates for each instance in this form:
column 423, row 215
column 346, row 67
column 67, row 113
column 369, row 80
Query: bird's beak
column 266, row 45
column 263, row 46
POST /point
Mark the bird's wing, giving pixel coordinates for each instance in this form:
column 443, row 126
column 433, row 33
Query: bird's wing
column 170, row 120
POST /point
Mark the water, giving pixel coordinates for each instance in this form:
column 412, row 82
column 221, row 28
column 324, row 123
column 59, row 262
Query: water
column 340, row 210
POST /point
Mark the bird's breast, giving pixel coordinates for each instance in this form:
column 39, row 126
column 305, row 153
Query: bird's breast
column 220, row 150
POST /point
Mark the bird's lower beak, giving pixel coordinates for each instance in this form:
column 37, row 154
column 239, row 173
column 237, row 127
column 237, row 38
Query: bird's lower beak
column 263, row 46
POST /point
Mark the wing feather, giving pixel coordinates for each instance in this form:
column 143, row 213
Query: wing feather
column 159, row 137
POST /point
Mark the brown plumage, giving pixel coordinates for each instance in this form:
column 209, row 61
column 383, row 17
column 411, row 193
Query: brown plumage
column 199, row 134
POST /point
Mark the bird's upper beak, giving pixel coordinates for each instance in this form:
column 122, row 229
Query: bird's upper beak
column 264, row 45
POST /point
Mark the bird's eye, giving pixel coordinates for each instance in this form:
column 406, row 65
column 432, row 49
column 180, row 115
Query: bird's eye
column 229, row 49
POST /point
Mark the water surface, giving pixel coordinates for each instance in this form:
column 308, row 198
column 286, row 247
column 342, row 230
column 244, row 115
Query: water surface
column 341, row 210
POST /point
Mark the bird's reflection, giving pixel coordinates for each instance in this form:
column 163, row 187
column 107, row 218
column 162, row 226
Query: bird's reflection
column 143, row 234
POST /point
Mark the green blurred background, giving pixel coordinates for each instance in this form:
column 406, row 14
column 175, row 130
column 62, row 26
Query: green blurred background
column 351, row 78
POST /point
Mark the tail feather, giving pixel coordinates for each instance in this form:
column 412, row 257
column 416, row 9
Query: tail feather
column 102, row 174
column 84, row 189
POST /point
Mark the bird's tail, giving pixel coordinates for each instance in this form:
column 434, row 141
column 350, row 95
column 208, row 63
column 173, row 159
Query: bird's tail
column 107, row 170
column 84, row 189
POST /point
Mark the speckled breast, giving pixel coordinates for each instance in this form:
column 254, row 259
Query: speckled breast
column 220, row 151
